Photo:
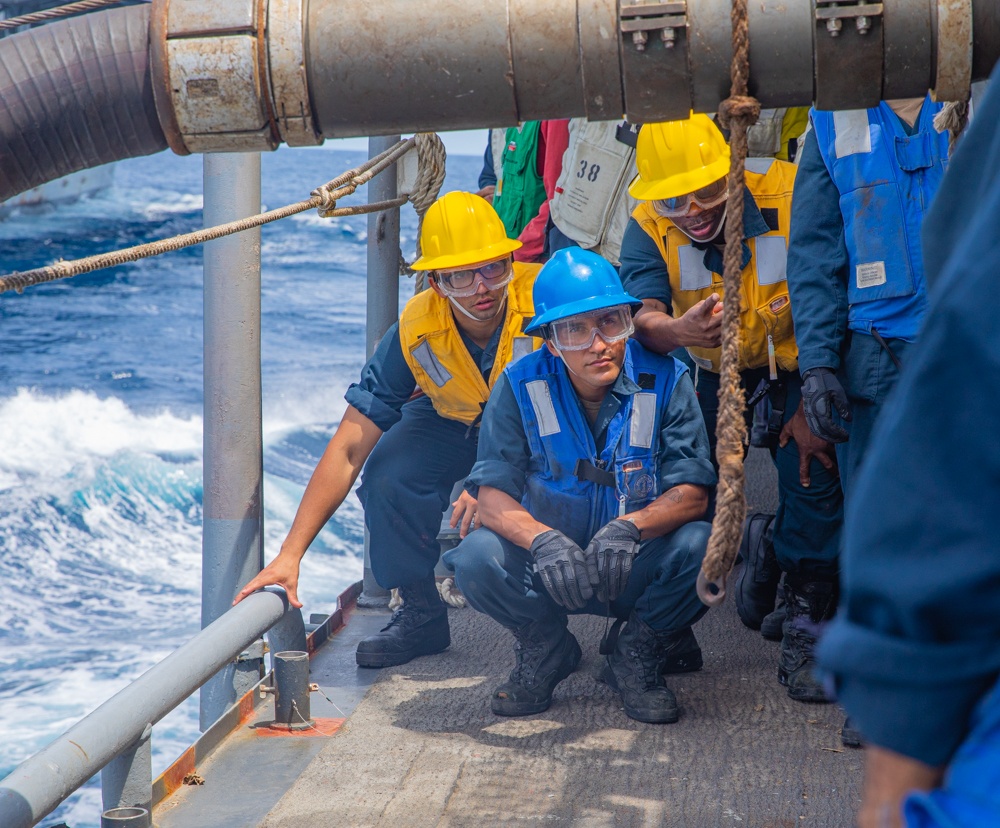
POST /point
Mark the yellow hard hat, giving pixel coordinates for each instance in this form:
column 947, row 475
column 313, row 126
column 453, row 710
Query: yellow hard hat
column 462, row 229
column 678, row 157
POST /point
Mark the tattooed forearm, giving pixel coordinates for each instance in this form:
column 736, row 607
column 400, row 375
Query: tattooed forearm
column 675, row 495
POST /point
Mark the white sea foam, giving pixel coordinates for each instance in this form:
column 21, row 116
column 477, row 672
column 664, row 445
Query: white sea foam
column 50, row 436
column 170, row 203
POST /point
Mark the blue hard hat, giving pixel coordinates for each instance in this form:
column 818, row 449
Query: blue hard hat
column 575, row 281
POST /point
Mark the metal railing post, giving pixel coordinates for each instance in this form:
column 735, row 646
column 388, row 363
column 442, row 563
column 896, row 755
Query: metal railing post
column 127, row 780
column 232, row 545
column 382, row 308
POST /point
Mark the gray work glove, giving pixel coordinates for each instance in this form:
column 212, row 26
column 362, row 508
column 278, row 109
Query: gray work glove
column 614, row 547
column 822, row 393
column 564, row 569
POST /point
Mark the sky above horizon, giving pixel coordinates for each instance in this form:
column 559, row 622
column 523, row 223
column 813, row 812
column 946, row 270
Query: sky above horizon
column 460, row 142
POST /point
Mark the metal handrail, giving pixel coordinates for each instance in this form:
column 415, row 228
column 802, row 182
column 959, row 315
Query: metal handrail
column 37, row 786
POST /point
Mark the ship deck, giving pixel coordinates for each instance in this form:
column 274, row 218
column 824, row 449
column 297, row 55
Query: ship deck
column 418, row 745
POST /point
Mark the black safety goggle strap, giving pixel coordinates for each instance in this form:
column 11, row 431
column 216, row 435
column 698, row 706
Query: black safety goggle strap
column 475, row 422
column 885, row 345
column 610, row 639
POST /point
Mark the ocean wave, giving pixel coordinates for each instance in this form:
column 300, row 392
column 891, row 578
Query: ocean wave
column 51, row 436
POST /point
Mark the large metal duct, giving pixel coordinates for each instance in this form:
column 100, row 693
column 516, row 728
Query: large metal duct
column 313, row 69
column 73, row 95
column 246, row 75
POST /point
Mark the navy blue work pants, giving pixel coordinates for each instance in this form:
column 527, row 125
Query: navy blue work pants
column 405, row 488
column 498, row 579
column 870, row 375
column 808, row 522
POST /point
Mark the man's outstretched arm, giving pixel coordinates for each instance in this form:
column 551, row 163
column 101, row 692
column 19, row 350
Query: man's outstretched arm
column 329, row 485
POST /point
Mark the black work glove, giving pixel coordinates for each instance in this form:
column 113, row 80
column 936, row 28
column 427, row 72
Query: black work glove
column 821, row 394
column 564, row 569
column 614, row 547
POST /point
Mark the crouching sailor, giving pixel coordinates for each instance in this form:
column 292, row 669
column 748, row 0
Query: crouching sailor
column 592, row 473
column 453, row 340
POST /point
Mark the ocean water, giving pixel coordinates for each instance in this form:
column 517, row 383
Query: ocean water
column 101, row 434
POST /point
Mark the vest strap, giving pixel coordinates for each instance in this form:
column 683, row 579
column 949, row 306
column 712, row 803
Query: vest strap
column 587, row 471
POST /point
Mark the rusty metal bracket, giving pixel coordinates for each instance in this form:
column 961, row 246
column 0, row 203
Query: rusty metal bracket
column 211, row 72
column 953, row 70
column 286, row 58
column 849, row 59
column 641, row 19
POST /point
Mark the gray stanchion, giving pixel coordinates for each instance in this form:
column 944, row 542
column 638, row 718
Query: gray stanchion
column 382, row 308
column 232, row 544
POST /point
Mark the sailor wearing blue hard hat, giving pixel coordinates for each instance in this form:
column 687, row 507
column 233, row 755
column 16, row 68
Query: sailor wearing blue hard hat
column 592, row 475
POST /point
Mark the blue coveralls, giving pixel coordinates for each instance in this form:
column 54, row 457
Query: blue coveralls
column 497, row 577
column 854, row 260
column 808, row 521
column 406, row 483
column 914, row 650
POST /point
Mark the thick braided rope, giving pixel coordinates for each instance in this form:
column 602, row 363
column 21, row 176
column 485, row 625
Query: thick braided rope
column 53, row 14
column 738, row 113
column 323, row 198
column 953, row 117
column 431, row 158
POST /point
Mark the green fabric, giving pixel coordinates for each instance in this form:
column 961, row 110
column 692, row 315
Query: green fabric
column 520, row 192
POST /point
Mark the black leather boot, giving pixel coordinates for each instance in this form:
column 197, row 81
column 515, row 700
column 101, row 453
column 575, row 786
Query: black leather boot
column 850, row 736
column 770, row 627
column 419, row 627
column 546, row 653
column 757, row 582
column 807, row 604
column 679, row 651
column 635, row 669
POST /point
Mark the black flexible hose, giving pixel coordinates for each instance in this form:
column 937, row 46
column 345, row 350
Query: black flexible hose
column 75, row 94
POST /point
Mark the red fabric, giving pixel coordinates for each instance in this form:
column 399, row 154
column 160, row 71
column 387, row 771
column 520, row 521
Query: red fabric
column 553, row 140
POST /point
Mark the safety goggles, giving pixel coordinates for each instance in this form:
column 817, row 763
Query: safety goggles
column 465, row 282
column 707, row 197
column 576, row 333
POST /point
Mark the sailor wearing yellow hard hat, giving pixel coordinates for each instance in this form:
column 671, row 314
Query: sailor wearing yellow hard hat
column 452, row 342
column 672, row 259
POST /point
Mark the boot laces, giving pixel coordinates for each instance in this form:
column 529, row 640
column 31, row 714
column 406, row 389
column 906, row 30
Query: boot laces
column 406, row 617
column 527, row 657
column 645, row 658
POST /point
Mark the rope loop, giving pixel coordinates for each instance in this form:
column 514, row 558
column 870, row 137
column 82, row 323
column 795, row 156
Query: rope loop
column 739, row 110
column 431, row 157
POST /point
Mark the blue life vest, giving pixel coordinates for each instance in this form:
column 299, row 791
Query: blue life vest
column 560, row 436
column 887, row 180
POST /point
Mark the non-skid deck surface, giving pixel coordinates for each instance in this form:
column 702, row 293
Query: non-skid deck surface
column 423, row 748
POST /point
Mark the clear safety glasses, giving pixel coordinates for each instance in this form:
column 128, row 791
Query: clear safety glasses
column 465, row 282
column 707, row 197
column 576, row 333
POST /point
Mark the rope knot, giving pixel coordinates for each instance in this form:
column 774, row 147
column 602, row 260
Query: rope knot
column 328, row 203
column 739, row 110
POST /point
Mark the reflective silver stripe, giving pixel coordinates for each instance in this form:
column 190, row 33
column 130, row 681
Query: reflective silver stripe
column 427, row 360
column 545, row 411
column 694, row 274
column 759, row 165
column 772, row 259
column 643, row 419
column 851, row 134
column 521, row 346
